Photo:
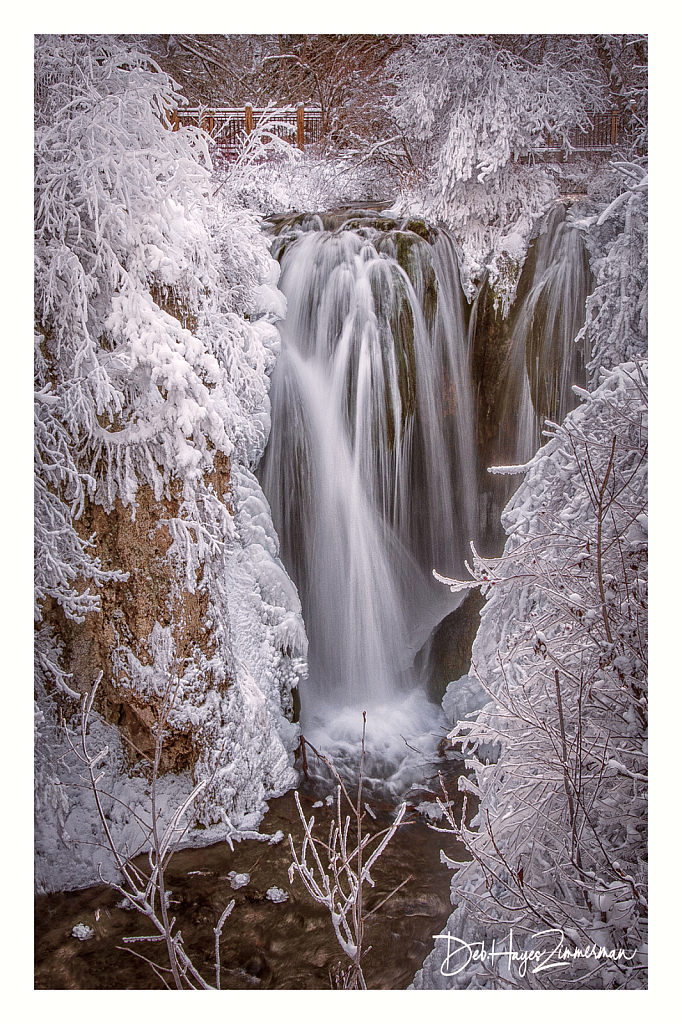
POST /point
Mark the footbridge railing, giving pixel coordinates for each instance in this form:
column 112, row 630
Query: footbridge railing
column 302, row 126
column 228, row 125
column 607, row 132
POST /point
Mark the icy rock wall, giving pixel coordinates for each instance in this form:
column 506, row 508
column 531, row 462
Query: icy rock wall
column 235, row 637
column 229, row 625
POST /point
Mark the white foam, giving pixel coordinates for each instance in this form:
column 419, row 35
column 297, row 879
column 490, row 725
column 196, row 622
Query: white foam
column 401, row 738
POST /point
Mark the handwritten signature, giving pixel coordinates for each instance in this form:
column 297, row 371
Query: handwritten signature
column 554, row 957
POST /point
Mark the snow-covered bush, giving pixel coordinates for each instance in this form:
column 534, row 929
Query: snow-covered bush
column 494, row 221
column 473, row 111
column 155, row 310
column 559, row 839
column 304, row 182
column 340, row 867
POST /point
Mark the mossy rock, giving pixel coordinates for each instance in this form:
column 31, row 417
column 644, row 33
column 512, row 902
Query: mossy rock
column 419, row 227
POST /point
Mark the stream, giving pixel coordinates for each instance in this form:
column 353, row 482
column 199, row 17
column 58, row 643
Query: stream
column 264, row 945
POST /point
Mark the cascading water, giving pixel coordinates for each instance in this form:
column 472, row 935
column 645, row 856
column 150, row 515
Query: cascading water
column 371, row 469
column 544, row 360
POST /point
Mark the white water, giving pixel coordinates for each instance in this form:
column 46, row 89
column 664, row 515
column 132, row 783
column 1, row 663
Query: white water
column 400, row 740
column 371, row 465
column 544, row 360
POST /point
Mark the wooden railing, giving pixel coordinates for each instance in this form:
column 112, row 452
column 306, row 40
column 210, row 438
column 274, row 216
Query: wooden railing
column 608, row 131
column 228, row 125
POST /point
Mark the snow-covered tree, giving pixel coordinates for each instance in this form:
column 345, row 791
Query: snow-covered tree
column 155, row 307
column 475, row 110
column 127, row 277
column 617, row 310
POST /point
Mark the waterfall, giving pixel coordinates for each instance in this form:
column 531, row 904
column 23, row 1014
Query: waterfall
column 372, row 469
column 543, row 360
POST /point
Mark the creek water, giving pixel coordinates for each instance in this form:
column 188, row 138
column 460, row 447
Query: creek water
column 264, row 945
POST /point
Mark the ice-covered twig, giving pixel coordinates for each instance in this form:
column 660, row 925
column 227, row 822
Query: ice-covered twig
column 336, row 879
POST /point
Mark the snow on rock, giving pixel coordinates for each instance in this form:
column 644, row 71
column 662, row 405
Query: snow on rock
column 463, row 697
column 430, row 810
column 277, row 895
column 238, row 880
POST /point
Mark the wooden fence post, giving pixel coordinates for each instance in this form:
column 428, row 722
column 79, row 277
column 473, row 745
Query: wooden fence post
column 248, row 118
column 300, row 126
column 614, row 127
column 174, row 120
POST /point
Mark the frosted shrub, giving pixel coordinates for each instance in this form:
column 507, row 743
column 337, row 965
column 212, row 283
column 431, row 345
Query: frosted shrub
column 473, row 111
column 560, row 833
column 61, row 555
column 291, row 180
column 340, row 868
column 477, row 106
column 494, row 221
column 271, row 175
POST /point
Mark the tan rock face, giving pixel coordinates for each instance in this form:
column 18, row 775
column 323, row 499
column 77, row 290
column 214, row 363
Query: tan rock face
column 153, row 595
